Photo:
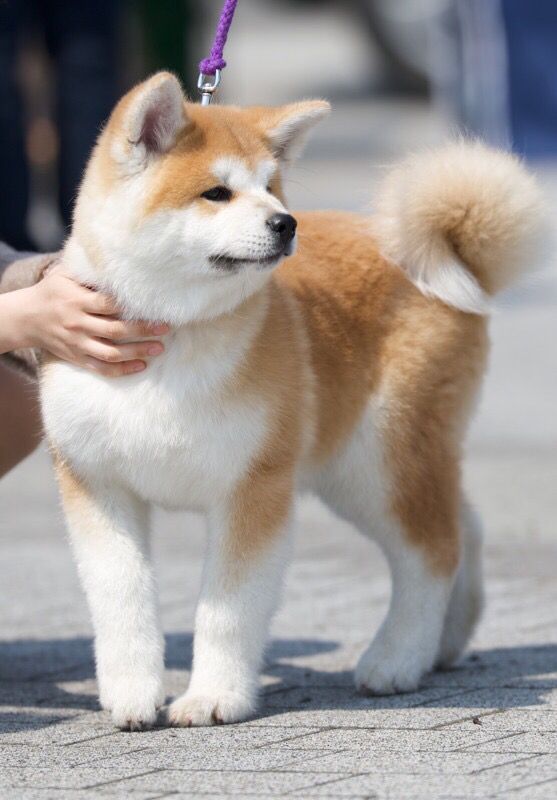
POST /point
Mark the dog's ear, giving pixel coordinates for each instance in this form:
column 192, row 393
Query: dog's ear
column 286, row 127
column 146, row 122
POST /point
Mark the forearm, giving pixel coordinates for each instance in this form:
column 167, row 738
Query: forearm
column 20, row 270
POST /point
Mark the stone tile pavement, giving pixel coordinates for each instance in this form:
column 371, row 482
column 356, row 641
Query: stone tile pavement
column 486, row 729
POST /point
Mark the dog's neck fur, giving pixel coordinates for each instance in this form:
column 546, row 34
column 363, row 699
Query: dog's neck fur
column 190, row 306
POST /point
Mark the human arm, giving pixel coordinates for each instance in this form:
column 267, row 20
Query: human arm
column 71, row 321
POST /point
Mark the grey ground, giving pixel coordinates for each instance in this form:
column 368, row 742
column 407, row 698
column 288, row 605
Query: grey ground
column 487, row 729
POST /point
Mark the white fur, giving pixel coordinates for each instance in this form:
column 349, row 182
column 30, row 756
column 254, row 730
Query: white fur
column 163, row 436
column 109, row 539
column 234, row 173
column 463, row 221
column 231, row 626
column 451, row 282
column 355, row 486
column 163, row 428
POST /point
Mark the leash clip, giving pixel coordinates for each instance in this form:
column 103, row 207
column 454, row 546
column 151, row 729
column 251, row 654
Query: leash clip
column 207, row 87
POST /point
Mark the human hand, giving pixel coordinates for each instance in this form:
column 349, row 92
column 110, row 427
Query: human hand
column 81, row 326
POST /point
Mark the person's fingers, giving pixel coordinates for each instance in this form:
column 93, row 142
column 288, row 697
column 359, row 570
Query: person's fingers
column 113, row 370
column 115, row 353
column 99, row 303
column 116, row 329
column 63, row 286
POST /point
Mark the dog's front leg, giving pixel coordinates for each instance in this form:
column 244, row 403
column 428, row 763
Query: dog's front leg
column 248, row 550
column 108, row 530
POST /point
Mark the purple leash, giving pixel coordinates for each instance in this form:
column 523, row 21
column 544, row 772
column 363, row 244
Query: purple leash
column 213, row 65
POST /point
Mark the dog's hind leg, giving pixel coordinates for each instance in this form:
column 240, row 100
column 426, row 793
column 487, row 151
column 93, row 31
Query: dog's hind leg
column 247, row 553
column 466, row 601
column 406, row 645
column 108, row 532
column 420, row 542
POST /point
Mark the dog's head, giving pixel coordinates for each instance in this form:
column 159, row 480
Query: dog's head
column 181, row 210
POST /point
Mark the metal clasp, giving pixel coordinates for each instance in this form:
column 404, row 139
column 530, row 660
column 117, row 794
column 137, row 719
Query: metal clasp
column 206, row 87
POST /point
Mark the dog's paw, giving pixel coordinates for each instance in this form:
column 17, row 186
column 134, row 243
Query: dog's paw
column 192, row 709
column 134, row 705
column 381, row 672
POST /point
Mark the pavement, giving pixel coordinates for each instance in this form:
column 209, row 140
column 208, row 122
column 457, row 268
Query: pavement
column 486, row 729
column 483, row 730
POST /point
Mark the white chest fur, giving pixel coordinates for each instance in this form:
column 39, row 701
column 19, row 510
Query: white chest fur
column 174, row 434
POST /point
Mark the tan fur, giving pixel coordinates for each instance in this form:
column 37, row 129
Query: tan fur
column 276, row 360
column 276, row 371
column 185, row 174
column 342, row 325
column 74, row 493
column 372, row 331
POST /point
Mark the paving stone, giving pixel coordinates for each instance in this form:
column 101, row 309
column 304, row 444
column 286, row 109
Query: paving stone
column 217, row 758
column 370, row 740
column 74, row 794
column 542, row 790
column 508, row 777
column 510, row 719
column 530, row 742
column 232, row 783
column 411, row 718
column 60, row 777
column 400, row 762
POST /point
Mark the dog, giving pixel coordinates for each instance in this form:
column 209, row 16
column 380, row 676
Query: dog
column 348, row 369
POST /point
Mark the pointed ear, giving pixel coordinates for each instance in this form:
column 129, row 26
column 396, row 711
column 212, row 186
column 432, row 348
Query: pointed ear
column 286, row 127
column 147, row 120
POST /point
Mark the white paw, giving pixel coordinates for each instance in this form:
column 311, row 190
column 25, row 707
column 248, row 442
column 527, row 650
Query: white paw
column 192, row 709
column 383, row 670
column 134, row 704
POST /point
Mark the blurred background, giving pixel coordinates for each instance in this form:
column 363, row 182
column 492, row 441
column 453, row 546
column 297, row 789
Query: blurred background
column 400, row 73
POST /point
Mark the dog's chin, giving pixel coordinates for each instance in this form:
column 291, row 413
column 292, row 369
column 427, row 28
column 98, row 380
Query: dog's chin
column 233, row 264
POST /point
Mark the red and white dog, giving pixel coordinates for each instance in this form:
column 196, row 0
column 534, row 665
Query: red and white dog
column 350, row 371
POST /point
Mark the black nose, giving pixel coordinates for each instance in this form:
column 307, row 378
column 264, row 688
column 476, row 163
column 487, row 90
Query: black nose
column 284, row 225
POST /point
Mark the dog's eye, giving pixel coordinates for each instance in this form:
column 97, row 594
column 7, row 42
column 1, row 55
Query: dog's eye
column 220, row 194
column 270, row 189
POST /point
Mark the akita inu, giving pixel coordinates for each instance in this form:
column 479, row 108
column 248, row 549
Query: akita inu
column 350, row 371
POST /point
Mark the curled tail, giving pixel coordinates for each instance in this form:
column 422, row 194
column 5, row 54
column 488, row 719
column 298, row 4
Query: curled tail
column 463, row 221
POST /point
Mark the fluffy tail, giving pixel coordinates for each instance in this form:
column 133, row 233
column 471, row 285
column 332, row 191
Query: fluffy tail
column 463, row 221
